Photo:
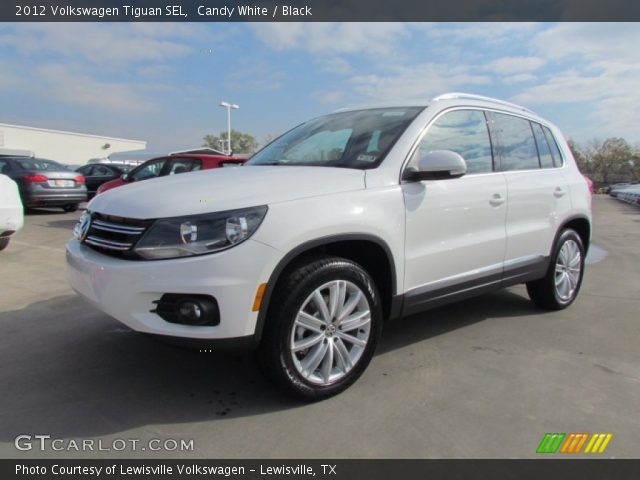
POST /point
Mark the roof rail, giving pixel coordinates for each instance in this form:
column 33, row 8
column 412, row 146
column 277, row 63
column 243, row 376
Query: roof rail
column 471, row 96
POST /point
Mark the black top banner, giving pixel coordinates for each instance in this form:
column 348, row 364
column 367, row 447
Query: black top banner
column 318, row 10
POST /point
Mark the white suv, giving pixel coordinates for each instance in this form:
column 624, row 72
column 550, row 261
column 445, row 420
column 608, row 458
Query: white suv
column 342, row 223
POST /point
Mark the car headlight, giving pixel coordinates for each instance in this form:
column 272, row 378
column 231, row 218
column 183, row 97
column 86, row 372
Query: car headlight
column 199, row 234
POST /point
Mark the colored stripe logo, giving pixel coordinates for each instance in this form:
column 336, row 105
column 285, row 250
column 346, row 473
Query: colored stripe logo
column 574, row 442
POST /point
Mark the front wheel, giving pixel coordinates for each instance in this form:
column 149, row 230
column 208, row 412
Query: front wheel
column 560, row 286
column 323, row 327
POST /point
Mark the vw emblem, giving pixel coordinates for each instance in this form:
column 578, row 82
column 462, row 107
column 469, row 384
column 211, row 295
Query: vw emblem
column 82, row 227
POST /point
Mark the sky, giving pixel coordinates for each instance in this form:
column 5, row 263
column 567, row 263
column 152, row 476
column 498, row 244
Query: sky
column 163, row 82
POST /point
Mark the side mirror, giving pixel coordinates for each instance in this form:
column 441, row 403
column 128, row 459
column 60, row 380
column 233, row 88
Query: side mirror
column 124, row 177
column 437, row 165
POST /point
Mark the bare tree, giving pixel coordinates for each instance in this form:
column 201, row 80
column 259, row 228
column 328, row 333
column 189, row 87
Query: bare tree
column 610, row 158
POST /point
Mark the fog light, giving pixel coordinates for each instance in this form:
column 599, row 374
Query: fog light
column 188, row 309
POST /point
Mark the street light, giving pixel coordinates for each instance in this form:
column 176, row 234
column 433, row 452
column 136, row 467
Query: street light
column 229, row 106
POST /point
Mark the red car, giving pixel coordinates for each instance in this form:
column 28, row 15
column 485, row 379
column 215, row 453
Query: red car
column 171, row 165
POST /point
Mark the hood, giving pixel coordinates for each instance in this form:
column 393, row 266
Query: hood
column 222, row 189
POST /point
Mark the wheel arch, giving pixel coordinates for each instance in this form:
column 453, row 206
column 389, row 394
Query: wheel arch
column 581, row 225
column 364, row 249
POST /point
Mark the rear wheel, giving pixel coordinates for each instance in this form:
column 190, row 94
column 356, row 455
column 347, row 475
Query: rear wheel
column 4, row 243
column 72, row 207
column 560, row 286
column 323, row 327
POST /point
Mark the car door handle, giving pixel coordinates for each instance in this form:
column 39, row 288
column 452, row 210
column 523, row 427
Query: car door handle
column 559, row 192
column 496, row 200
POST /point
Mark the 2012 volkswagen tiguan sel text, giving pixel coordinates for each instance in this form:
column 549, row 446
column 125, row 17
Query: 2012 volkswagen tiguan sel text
column 340, row 224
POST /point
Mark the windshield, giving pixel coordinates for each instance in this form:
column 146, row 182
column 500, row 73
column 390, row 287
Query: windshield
column 358, row 139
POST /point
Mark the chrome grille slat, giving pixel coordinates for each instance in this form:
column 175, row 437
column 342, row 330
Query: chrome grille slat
column 116, row 236
column 117, row 228
column 101, row 242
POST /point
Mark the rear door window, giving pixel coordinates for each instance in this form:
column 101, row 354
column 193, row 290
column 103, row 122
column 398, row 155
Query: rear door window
column 514, row 145
column 179, row 165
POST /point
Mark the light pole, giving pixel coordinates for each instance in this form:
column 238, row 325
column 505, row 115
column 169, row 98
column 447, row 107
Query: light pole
column 229, row 106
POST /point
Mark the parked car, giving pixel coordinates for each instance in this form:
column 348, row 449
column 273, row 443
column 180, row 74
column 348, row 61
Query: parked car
column 170, row 165
column 616, row 188
column 11, row 214
column 346, row 221
column 629, row 194
column 45, row 183
column 97, row 174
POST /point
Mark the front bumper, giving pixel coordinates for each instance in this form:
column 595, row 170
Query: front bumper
column 126, row 289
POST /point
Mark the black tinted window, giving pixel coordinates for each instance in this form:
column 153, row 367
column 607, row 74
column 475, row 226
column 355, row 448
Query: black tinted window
column 180, row 165
column 546, row 159
column 557, row 157
column 40, row 164
column 514, row 145
column 464, row 132
column 149, row 169
column 4, row 166
column 102, row 171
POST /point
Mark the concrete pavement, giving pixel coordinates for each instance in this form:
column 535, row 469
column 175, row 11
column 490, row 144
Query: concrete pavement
column 486, row 378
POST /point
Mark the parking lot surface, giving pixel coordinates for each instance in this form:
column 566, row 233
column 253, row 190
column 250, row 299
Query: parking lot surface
column 485, row 378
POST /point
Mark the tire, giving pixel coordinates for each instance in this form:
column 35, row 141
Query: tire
column 4, row 243
column 561, row 284
column 72, row 207
column 328, row 358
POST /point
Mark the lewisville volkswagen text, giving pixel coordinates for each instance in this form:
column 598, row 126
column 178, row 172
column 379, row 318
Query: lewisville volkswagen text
column 345, row 221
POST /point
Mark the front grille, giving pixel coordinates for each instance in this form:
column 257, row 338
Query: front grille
column 115, row 236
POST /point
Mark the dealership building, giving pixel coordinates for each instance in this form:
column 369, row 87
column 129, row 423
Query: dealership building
column 64, row 147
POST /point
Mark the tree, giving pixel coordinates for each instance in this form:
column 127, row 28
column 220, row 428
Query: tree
column 582, row 160
column 240, row 142
column 611, row 158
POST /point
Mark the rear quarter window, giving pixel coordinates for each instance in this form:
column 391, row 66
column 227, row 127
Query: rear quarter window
column 555, row 150
column 546, row 157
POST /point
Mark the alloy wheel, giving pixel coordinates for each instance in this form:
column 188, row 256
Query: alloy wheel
column 330, row 332
column 568, row 269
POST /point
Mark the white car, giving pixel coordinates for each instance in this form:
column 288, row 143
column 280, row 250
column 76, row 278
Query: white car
column 11, row 211
column 345, row 222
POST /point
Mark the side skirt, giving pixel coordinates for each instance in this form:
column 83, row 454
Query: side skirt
column 444, row 292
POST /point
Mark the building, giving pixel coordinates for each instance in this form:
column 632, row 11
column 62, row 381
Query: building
column 64, row 147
